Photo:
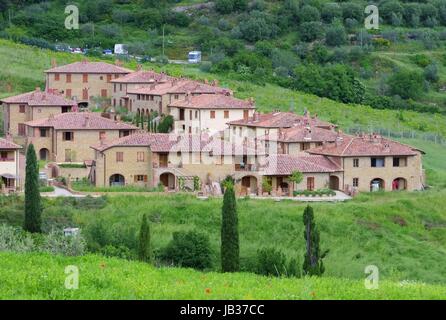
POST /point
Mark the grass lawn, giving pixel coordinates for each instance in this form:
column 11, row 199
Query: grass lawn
column 104, row 278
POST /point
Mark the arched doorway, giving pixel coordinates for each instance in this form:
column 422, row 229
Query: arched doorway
column 399, row 184
column 377, row 184
column 117, row 180
column 334, row 183
column 168, row 180
column 44, row 154
column 249, row 182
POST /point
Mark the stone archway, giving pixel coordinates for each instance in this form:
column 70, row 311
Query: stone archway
column 168, row 180
column 334, row 183
column 117, row 180
column 377, row 184
column 399, row 184
column 249, row 183
column 44, row 154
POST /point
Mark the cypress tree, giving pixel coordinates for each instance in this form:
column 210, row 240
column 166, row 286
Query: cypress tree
column 33, row 209
column 144, row 245
column 313, row 265
column 230, row 248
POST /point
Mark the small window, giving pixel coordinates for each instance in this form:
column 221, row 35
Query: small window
column 101, row 78
column 4, row 155
column 119, row 156
column 66, row 109
column 22, row 108
column 102, row 135
column 68, row 78
column 356, row 182
column 190, row 114
column 67, row 136
column 212, row 114
column 141, row 178
column 140, row 157
column 56, row 77
column 356, row 163
column 85, row 78
column 396, row 162
column 104, row 93
column 196, row 114
column 109, row 77
column 43, row 132
column 120, row 87
column 226, row 114
column 377, row 162
column 114, row 87
column 176, row 97
column 22, row 129
column 68, row 93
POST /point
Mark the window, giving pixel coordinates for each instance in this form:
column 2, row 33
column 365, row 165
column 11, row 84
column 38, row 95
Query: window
column 66, row 109
column 4, row 155
column 56, row 77
column 226, row 114
column 245, row 114
column 140, row 157
column 151, row 98
column 119, row 156
column 67, row 136
column 196, row 114
column 101, row 78
column 68, row 78
column 114, row 87
column 176, row 97
column 141, row 178
column 22, row 108
column 114, row 102
column 104, row 93
column 212, row 114
column 355, row 182
column 43, row 132
column 68, row 93
column 305, row 146
column 310, row 183
column 102, row 135
column 190, row 114
column 85, row 78
column 396, row 162
column 377, row 162
column 109, row 77
column 22, row 129
column 399, row 162
column 120, row 87
column 356, row 163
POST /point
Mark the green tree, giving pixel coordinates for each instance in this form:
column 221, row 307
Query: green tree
column 33, row 209
column 296, row 177
column 144, row 243
column 406, row 84
column 230, row 247
column 335, row 35
column 313, row 265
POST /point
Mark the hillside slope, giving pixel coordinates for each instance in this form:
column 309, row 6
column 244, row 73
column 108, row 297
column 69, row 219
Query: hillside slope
column 103, row 278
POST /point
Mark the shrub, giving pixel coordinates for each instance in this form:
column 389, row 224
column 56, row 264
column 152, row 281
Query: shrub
column 406, row 84
column 57, row 243
column 188, row 249
column 121, row 252
column 271, row 262
column 13, row 239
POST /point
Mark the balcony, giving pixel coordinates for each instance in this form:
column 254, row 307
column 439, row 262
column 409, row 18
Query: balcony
column 246, row 167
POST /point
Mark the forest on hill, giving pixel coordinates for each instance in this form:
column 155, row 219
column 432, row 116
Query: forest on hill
column 315, row 46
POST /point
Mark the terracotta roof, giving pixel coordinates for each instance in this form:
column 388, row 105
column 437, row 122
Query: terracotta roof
column 80, row 121
column 364, row 145
column 280, row 120
column 303, row 134
column 212, row 101
column 180, row 86
column 165, row 142
column 40, row 98
column 89, row 67
column 283, row 164
column 143, row 77
column 7, row 144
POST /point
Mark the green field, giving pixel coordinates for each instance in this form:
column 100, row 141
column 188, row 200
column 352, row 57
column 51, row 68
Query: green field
column 104, row 278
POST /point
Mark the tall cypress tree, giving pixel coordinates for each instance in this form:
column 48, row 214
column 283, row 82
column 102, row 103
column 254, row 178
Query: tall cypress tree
column 230, row 248
column 144, row 246
column 313, row 265
column 33, row 208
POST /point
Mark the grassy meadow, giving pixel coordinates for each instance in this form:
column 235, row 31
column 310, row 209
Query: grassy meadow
column 105, row 278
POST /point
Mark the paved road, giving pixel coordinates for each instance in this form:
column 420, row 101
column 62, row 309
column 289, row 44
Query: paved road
column 61, row 192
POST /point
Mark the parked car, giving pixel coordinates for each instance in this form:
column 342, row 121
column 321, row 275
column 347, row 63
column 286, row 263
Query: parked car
column 108, row 52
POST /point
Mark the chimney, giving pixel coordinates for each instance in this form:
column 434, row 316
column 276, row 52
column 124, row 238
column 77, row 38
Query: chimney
column 188, row 96
column 206, row 81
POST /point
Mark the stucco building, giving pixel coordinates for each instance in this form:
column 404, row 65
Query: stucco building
column 67, row 137
column 84, row 81
column 10, row 165
column 30, row 106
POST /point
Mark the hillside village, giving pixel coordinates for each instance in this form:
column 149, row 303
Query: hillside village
column 213, row 135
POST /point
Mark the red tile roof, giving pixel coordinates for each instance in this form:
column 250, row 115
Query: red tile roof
column 7, row 144
column 212, row 101
column 180, row 86
column 303, row 134
column 40, row 98
column 143, row 77
column 164, row 142
column 80, row 121
column 364, row 145
column 280, row 120
column 89, row 67
column 282, row 164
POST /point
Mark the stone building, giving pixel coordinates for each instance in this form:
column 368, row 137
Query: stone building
column 10, row 174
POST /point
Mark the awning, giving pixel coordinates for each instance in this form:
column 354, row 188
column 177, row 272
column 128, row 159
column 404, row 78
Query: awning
column 8, row 176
